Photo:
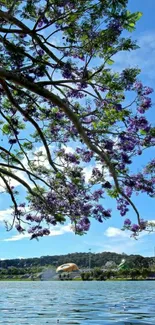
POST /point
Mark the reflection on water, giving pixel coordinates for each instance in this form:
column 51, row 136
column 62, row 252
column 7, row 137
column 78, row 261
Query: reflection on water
column 87, row 303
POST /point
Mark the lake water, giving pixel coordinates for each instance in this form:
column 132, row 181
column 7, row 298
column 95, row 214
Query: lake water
column 87, row 303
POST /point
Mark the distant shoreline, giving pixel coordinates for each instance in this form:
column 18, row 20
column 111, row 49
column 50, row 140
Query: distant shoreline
column 74, row 280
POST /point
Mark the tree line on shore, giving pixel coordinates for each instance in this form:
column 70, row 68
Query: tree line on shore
column 102, row 266
column 81, row 259
column 131, row 274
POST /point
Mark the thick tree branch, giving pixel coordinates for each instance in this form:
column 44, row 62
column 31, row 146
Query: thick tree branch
column 6, row 172
column 29, row 173
column 11, row 31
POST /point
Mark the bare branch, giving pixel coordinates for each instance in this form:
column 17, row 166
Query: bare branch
column 13, row 101
column 30, row 32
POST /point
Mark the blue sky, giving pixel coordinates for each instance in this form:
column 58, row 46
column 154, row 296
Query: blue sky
column 107, row 236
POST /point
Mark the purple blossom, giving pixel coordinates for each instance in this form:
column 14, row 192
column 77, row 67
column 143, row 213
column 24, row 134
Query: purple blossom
column 97, row 194
column 143, row 224
column 127, row 222
column 87, row 156
column 59, row 115
column 134, row 228
column 75, row 93
column 141, row 110
column 43, row 21
column 96, row 172
column 139, row 152
column 41, row 52
column 71, row 158
column 128, row 191
column 83, row 225
column 116, row 26
column 122, row 206
column 12, row 141
column 125, row 158
column 99, row 218
column 29, row 217
column 107, row 185
column 19, row 228
column 127, row 142
column 107, row 213
column 79, row 150
column 40, row 23
column 147, row 91
column 67, row 71
column 118, row 107
column 138, row 86
column 46, row 232
column 146, row 103
column 108, row 145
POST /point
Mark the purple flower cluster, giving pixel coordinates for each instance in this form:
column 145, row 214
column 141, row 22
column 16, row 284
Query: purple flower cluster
column 122, row 206
column 98, row 194
column 67, row 71
column 116, row 26
column 127, row 222
column 82, row 225
column 20, row 228
column 140, row 183
column 128, row 191
column 135, row 228
column 150, row 167
column 12, row 141
column 99, row 213
column 70, row 157
column 42, row 22
column 41, row 52
column 142, row 90
column 138, row 123
column 67, row 199
column 75, row 94
column 143, row 102
column 85, row 155
column 126, row 142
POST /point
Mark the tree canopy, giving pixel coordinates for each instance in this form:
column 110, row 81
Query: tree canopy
column 63, row 108
column 81, row 259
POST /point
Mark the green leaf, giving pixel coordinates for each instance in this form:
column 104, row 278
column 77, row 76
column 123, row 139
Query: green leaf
column 142, row 132
column 138, row 15
column 6, row 129
column 110, row 62
column 113, row 193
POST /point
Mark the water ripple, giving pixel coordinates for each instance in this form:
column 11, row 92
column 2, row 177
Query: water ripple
column 86, row 303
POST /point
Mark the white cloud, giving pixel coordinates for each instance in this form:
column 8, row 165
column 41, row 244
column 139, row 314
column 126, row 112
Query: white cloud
column 13, row 182
column 68, row 149
column 88, row 172
column 41, row 160
column 152, row 221
column 17, row 237
column 142, row 57
column 116, row 232
column 5, row 215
